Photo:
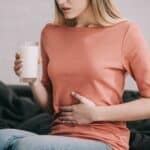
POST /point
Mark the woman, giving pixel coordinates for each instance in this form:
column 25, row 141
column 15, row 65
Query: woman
column 86, row 54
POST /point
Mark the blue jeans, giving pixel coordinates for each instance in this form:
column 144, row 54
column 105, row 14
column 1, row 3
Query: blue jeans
column 15, row 139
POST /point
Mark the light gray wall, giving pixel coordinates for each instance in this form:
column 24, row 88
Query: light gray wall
column 138, row 11
column 23, row 20
column 20, row 21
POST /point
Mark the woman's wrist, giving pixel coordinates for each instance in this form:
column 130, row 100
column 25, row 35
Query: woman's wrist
column 99, row 113
column 33, row 82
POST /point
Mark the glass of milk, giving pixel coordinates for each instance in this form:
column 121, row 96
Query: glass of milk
column 30, row 56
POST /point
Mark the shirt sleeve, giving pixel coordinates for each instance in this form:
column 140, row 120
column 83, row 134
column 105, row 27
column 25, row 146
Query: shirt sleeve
column 44, row 61
column 136, row 58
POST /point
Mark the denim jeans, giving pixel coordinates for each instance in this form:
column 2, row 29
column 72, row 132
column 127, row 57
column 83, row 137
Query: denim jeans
column 15, row 139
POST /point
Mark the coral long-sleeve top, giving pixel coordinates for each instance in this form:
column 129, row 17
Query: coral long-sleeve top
column 94, row 62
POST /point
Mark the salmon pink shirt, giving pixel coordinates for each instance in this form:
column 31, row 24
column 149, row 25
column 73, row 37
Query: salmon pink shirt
column 94, row 62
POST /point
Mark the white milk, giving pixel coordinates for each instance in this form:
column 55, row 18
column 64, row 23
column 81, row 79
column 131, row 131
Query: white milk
column 30, row 56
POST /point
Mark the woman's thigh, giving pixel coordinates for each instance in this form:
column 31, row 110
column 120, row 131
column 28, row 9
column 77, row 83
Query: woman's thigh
column 54, row 142
column 15, row 139
column 9, row 136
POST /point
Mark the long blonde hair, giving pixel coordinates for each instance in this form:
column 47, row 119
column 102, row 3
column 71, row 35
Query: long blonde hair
column 105, row 12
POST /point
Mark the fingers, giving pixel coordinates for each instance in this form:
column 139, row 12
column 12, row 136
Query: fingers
column 18, row 73
column 18, row 61
column 18, row 64
column 18, row 55
column 66, row 108
column 72, row 122
column 66, row 118
column 66, row 114
column 83, row 99
column 18, row 69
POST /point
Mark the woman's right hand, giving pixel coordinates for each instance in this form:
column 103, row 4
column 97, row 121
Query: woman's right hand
column 18, row 64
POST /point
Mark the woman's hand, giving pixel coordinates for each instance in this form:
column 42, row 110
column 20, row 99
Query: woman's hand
column 81, row 113
column 18, row 67
column 18, row 64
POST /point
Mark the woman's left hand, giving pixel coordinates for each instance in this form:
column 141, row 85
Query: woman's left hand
column 82, row 113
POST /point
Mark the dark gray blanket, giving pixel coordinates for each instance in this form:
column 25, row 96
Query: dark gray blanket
column 22, row 112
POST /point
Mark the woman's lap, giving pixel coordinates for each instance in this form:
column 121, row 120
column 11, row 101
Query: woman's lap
column 9, row 136
column 15, row 139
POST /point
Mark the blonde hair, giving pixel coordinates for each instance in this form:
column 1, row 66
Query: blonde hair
column 105, row 12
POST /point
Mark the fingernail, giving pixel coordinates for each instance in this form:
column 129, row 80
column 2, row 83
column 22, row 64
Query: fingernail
column 73, row 93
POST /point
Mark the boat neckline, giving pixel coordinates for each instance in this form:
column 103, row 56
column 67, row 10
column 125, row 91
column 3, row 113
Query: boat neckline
column 85, row 27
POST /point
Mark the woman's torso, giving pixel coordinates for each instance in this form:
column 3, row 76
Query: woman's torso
column 88, row 61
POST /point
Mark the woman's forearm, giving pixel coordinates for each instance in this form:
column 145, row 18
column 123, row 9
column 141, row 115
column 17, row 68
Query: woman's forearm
column 134, row 110
column 41, row 95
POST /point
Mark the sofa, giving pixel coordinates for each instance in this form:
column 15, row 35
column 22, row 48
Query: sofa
column 18, row 110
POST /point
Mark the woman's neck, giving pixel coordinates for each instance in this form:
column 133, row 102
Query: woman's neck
column 87, row 18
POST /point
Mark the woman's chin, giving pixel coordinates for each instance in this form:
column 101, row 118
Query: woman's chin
column 69, row 16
